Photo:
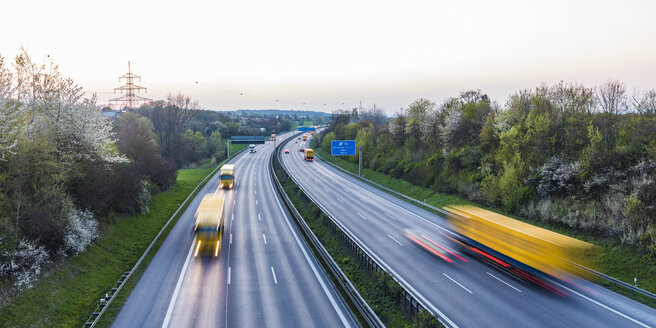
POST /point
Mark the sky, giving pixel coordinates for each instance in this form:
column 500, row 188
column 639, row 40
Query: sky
column 331, row 55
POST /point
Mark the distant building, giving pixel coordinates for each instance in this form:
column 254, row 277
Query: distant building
column 113, row 115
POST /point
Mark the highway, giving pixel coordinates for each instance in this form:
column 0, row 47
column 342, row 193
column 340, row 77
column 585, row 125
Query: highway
column 265, row 276
column 465, row 292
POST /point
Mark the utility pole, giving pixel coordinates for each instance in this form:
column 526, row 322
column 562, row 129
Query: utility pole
column 130, row 100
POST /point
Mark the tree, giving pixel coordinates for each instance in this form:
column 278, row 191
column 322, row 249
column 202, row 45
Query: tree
column 644, row 102
column 611, row 97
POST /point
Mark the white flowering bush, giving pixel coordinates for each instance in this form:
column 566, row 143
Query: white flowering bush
column 80, row 231
column 23, row 264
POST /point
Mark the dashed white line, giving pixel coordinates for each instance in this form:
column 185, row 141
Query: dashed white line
column 324, row 188
column 256, row 192
column 339, row 200
column 395, row 240
column 256, row 202
column 457, row 283
column 229, row 274
column 233, row 217
column 233, row 202
column 273, row 272
column 230, row 238
column 389, row 216
column 362, row 216
column 259, row 217
column 264, row 237
column 509, row 285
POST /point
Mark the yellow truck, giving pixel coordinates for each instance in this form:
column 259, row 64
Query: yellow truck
column 304, row 137
column 309, row 154
column 209, row 225
column 227, row 176
column 515, row 244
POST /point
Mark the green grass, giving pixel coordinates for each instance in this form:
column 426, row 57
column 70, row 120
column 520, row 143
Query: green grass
column 618, row 261
column 67, row 296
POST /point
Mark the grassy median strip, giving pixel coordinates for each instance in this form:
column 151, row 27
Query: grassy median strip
column 380, row 291
column 66, row 296
column 618, row 261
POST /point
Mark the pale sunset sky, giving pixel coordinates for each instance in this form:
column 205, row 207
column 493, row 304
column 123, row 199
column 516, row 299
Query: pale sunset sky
column 330, row 55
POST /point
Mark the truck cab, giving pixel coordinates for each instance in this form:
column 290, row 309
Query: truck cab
column 251, row 147
column 309, row 155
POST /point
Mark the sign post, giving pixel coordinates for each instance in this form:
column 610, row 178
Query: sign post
column 360, row 161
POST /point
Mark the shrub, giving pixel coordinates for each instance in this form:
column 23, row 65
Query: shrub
column 23, row 264
column 81, row 230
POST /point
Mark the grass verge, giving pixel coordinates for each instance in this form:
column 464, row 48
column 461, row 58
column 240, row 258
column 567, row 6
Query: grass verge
column 378, row 288
column 618, row 261
column 67, row 296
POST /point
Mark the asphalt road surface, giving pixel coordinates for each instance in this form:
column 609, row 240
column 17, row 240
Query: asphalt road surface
column 265, row 276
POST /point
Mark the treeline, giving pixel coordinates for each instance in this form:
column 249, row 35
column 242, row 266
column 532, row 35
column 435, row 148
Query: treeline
column 66, row 169
column 580, row 157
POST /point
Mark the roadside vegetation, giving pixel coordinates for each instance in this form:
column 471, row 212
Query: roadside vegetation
column 577, row 160
column 378, row 288
column 68, row 294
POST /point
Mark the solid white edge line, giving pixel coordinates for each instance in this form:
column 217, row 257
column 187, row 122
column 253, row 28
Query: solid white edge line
column 307, row 258
column 395, row 240
column 509, row 285
column 605, row 306
column 174, row 299
column 387, row 267
column 463, row 287
column 274, row 276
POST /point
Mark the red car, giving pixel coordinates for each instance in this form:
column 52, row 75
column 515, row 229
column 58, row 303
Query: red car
column 301, row 150
column 286, row 151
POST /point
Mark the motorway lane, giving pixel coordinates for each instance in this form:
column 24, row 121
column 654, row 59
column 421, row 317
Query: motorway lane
column 469, row 293
column 265, row 276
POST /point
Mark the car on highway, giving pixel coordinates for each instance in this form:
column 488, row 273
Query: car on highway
column 286, row 151
column 301, row 149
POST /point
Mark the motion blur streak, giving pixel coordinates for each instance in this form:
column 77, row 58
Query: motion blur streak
column 430, row 249
column 526, row 246
column 490, row 257
column 440, row 246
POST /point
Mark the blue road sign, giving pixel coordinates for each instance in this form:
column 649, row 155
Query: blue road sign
column 306, row 128
column 342, row 147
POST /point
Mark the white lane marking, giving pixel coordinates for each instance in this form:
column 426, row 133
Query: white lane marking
column 229, row 275
column 234, row 201
column 324, row 188
column 256, row 202
column 376, row 257
column 273, row 272
column 339, row 311
column 457, row 283
column 230, row 238
column 254, row 184
column 389, row 216
column 395, row 240
column 259, row 217
column 264, row 237
column 233, row 217
column 605, row 307
column 362, row 216
column 256, row 192
column 177, row 287
column 236, row 192
column 339, row 200
column 509, row 285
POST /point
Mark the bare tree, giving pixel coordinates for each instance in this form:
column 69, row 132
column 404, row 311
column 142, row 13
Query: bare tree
column 644, row 102
column 611, row 97
column 375, row 114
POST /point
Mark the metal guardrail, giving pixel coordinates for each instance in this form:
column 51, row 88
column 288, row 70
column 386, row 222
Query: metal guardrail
column 104, row 303
column 410, row 296
column 601, row 276
column 362, row 306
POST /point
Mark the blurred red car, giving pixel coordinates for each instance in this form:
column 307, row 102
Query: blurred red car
column 301, row 150
column 286, row 151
